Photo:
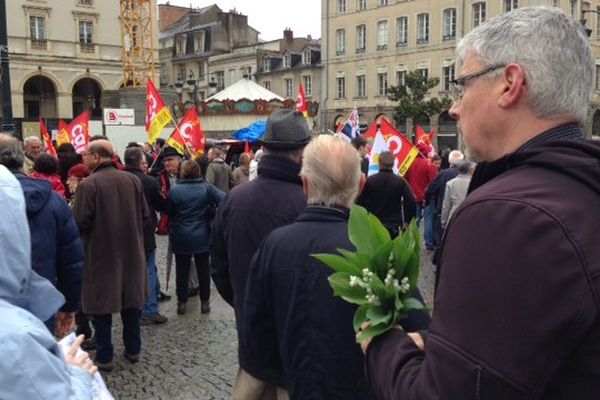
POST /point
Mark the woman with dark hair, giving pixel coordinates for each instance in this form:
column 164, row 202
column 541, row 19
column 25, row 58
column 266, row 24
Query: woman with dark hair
column 189, row 206
column 67, row 157
column 45, row 167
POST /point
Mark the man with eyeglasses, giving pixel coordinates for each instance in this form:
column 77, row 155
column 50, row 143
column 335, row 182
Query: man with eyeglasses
column 517, row 306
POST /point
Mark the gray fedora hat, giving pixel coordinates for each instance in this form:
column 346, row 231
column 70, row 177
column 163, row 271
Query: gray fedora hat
column 286, row 129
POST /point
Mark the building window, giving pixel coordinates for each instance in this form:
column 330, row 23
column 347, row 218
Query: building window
column 361, row 38
column 361, row 5
column 401, row 31
column 449, row 24
column 400, row 78
column 448, row 74
column 220, row 76
column 341, row 6
column 382, row 35
column 340, row 42
column 422, row 28
column 340, row 88
column 555, row 3
column 86, row 2
column 289, row 87
column 306, row 58
column 598, row 21
column 361, row 86
column 382, row 83
column 266, row 64
column 37, row 31
column 424, row 72
column 478, row 14
column 180, row 44
column 287, row 61
column 307, row 83
column 573, row 8
column 201, row 71
column 86, row 33
column 597, row 86
column 510, row 5
column 382, row 2
column 267, row 85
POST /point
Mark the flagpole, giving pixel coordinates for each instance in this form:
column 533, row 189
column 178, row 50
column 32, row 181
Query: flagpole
column 339, row 129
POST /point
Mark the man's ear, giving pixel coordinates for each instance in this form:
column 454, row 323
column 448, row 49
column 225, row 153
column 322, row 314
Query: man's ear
column 514, row 80
column 304, row 185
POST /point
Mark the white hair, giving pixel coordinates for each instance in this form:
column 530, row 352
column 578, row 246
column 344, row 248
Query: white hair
column 552, row 49
column 30, row 140
column 331, row 167
column 455, row 157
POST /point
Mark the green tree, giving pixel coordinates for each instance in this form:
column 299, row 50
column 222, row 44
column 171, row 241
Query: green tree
column 413, row 100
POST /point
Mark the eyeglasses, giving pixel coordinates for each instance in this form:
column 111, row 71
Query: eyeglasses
column 458, row 84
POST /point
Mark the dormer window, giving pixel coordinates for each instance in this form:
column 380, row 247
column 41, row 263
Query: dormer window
column 266, row 64
column 306, row 57
column 287, row 61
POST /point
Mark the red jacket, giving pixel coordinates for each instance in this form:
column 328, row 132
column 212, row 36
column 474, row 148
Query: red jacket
column 419, row 175
column 54, row 180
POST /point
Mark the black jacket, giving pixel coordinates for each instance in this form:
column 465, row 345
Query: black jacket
column 248, row 213
column 155, row 202
column 437, row 189
column 390, row 198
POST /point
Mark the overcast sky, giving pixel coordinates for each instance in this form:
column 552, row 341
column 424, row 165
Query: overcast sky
column 271, row 17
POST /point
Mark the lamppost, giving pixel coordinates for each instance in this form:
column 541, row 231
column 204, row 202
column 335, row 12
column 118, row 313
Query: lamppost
column 192, row 83
column 7, row 115
column 212, row 85
column 179, row 90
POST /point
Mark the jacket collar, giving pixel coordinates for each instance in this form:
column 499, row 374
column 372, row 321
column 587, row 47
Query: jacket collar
column 319, row 213
column 273, row 166
column 103, row 165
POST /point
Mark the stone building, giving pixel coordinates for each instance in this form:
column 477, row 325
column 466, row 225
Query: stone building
column 64, row 55
column 369, row 45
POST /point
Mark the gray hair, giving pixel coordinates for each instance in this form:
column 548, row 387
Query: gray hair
column 31, row 139
column 331, row 167
column 11, row 152
column 455, row 157
column 465, row 166
column 552, row 49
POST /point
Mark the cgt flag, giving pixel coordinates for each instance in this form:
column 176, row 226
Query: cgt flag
column 78, row 131
column 157, row 114
column 424, row 141
column 386, row 138
column 47, row 139
column 188, row 134
column 301, row 103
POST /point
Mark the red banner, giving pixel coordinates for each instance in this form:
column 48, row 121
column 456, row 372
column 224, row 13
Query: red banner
column 78, row 131
column 47, row 138
column 63, row 134
column 157, row 114
column 301, row 103
column 188, row 134
column 424, row 141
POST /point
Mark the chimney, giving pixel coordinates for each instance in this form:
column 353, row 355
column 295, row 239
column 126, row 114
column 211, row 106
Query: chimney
column 288, row 35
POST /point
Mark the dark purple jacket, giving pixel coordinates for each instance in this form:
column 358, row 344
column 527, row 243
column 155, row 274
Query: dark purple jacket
column 517, row 306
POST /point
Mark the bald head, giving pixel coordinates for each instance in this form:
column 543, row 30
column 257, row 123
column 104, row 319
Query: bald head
column 102, row 147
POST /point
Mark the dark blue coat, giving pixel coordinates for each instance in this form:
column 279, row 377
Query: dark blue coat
column 56, row 249
column 189, row 205
column 295, row 333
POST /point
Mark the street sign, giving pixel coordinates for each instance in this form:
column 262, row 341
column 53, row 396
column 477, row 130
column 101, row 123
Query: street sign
column 119, row 116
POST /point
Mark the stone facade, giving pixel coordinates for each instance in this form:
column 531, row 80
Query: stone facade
column 370, row 44
column 63, row 56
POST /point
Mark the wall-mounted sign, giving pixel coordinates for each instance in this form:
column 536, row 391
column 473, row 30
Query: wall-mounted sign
column 119, row 116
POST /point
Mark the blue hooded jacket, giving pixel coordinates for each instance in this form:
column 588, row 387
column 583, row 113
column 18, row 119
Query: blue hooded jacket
column 31, row 365
column 57, row 251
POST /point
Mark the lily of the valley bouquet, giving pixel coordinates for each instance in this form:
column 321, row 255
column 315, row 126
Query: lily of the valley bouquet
column 380, row 276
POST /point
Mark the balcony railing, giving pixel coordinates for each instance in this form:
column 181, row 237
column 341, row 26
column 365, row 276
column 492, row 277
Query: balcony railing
column 39, row 44
column 87, row 47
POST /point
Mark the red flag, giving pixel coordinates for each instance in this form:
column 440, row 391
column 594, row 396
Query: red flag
column 424, row 141
column 188, row 134
column 157, row 114
column 301, row 103
column 387, row 138
column 63, row 134
column 78, row 131
column 47, row 139
column 247, row 147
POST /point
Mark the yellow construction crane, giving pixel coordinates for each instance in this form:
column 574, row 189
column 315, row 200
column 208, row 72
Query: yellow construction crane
column 137, row 38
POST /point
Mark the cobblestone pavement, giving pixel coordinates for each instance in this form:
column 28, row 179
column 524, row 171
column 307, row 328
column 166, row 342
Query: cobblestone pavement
column 193, row 356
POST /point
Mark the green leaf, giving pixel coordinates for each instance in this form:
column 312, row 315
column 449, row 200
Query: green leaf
column 360, row 316
column 340, row 283
column 349, row 255
column 379, row 315
column 374, row 330
column 365, row 231
column 339, row 263
column 381, row 258
column 401, row 252
column 414, row 304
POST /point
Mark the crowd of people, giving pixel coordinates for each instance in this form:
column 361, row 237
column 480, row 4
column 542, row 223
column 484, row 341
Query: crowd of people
column 516, row 308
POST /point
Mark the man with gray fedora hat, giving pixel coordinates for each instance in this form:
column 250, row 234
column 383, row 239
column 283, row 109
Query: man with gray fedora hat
column 250, row 212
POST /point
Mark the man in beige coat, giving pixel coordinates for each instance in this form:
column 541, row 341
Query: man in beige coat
column 109, row 210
